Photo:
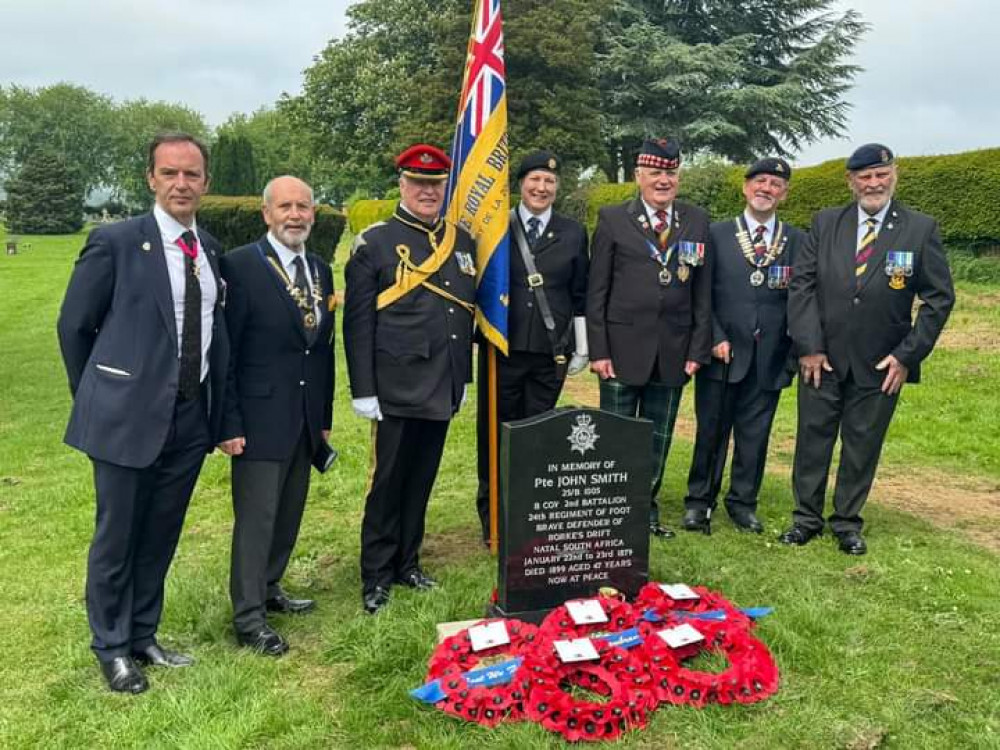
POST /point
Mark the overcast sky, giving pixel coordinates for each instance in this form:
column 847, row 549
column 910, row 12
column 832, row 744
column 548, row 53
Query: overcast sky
column 931, row 82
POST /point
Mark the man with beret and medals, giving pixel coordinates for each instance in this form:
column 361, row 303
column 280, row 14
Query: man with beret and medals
column 546, row 328
column 737, row 394
column 850, row 313
column 408, row 314
column 649, row 304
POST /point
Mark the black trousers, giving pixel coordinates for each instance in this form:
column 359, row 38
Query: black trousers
column 407, row 453
column 140, row 513
column 268, row 500
column 861, row 417
column 528, row 383
column 745, row 412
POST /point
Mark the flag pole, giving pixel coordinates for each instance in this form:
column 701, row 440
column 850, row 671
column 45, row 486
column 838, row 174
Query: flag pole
column 491, row 366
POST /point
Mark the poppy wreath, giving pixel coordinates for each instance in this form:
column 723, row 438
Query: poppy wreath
column 752, row 674
column 559, row 624
column 481, row 704
column 618, row 677
column 652, row 598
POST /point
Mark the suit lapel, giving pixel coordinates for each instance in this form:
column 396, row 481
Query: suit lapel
column 269, row 257
column 549, row 237
column 640, row 221
column 845, row 245
column 891, row 228
column 157, row 269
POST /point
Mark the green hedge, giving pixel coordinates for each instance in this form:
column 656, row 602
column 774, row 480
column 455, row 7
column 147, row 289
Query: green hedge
column 959, row 190
column 364, row 213
column 236, row 221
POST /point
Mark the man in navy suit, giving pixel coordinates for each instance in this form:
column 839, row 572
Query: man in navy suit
column 737, row 394
column 145, row 349
column 280, row 404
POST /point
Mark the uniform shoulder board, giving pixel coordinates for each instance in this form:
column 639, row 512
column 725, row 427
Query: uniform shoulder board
column 360, row 239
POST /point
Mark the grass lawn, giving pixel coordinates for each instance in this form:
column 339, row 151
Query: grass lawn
column 897, row 649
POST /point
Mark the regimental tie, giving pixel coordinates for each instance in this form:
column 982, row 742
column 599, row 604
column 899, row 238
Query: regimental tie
column 759, row 245
column 661, row 227
column 865, row 247
column 302, row 287
column 190, row 375
column 534, row 230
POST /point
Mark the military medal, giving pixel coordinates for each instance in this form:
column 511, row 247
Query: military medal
column 778, row 276
column 760, row 262
column 665, row 276
column 683, row 272
column 898, row 266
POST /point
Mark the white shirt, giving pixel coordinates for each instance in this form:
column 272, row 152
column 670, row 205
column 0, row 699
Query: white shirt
column 170, row 231
column 544, row 218
column 863, row 216
column 287, row 257
column 651, row 213
column 752, row 225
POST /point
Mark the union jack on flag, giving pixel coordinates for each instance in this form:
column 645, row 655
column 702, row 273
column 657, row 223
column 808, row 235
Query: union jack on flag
column 478, row 186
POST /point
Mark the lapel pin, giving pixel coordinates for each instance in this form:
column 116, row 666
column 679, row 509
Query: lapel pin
column 549, row 235
column 146, row 247
column 889, row 225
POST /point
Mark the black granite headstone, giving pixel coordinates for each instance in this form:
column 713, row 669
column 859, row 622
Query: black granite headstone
column 574, row 508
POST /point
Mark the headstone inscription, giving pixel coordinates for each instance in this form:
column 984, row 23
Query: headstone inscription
column 574, row 509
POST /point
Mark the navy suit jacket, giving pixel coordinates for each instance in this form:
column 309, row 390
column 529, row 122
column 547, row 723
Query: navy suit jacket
column 279, row 380
column 118, row 336
column 857, row 322
column 739, row 309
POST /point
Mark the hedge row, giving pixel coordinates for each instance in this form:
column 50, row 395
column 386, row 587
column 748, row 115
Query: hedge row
column 236, row 221
column 362, row 214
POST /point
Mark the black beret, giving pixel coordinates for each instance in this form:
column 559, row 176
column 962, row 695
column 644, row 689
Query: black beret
column 771, row 165
column 659, row 153
column 870, row 155
column 538, row 160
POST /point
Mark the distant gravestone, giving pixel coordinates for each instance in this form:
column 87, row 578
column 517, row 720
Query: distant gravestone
column 574, row 509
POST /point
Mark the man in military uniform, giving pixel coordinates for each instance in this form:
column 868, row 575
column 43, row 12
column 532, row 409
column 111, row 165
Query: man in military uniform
column 649, row 305
column 850, row 313
column 737, row 394
column 408, row 312
column 546, row 328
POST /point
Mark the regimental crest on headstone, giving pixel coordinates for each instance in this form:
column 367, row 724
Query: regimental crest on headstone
column 583, row 435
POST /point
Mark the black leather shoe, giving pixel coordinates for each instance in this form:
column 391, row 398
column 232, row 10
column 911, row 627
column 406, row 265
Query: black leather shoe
column 655, row 529
column 417, row 579
column 852, row 543
column 283, row 604
column 264, row 640
column 746, row 520
column 156, row 656
column 375, row 599
column 798, row 535
column 695, row 519
column 124, row 676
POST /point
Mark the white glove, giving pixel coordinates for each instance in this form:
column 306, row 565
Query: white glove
column 580, row 357
column 367, row 408
column 577, row 364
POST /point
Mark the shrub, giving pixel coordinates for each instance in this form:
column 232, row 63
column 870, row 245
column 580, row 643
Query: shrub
column 236, row 221
column 364, row 213
column 45, row 196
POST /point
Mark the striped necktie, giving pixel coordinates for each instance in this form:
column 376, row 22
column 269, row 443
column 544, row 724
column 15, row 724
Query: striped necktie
column 865, row 247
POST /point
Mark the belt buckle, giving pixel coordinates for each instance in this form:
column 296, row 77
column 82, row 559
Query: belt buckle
column 535, row 280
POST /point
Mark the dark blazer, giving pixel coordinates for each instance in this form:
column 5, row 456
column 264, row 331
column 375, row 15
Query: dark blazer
column 118, row 337
column 416, row 354
column 739, row 309
column 632, row 319
column 560, row 256
column 279, row 380
column 858, row 324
